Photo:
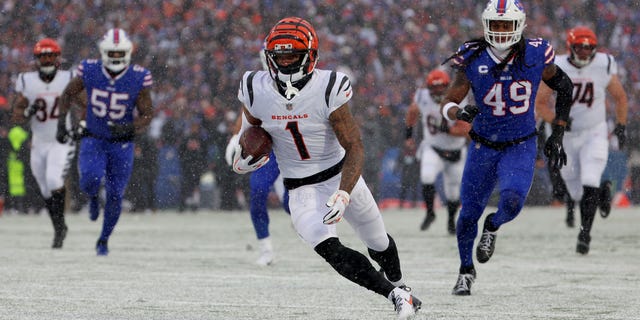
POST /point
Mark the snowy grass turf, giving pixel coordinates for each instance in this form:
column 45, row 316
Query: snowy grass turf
column 200, row 266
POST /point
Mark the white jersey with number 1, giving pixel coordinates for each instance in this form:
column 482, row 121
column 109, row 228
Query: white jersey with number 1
column 303, row 140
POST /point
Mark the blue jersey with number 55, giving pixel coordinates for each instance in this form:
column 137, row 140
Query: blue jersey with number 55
column 506, row 98
column 111, row 99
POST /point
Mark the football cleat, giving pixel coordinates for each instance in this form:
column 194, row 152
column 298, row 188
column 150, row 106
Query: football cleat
column 570, row 213
column 487, row 243
column 267, row 255
column 428, row 220
column 58, row 238
column 451, row 226
column 463, row 284
column 404, row 303
column 583, row 242
column 605, row 199
column 101, row 248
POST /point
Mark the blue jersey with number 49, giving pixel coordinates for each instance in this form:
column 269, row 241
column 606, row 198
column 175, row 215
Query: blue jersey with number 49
column 111, row 99
column 506, row 98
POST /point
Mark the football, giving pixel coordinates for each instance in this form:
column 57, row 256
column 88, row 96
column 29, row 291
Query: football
column 255, row 142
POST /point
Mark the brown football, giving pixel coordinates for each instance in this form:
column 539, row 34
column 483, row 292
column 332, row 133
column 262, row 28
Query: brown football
column 256, row 142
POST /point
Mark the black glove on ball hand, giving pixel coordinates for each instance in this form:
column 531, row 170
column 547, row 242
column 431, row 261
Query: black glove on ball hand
column 122, row 132
column 619, row 132
column 553, row 148
column 467, row 113
column 61, row 134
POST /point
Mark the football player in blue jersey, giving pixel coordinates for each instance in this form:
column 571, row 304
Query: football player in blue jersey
column 260, row 184
column 503, row 70
column 114, row 89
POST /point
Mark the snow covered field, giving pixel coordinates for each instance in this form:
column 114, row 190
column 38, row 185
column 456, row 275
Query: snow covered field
column 200, row 266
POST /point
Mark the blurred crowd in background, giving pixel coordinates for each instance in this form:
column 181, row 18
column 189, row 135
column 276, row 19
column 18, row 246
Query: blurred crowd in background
column 198, row 50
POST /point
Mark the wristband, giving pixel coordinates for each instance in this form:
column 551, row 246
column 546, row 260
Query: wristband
column 445, row 110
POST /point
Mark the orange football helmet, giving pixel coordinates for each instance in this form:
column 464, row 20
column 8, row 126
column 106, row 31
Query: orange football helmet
column 582, row 43
column 47, row 53
column 437, row 82
column 291, row 37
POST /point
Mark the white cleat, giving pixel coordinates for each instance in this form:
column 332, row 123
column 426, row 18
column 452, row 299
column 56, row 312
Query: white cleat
column 405, row 304
column 267, row 256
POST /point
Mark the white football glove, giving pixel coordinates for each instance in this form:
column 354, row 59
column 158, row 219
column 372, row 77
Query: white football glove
column 337, row 203
column 231, row 147
column 242, row 166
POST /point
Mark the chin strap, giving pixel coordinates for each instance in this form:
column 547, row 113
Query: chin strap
column 291, row 91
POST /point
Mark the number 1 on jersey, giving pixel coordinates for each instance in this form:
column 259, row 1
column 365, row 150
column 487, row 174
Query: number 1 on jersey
column 292, row 127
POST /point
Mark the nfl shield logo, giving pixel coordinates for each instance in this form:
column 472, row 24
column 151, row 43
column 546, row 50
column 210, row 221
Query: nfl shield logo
column 289, row 106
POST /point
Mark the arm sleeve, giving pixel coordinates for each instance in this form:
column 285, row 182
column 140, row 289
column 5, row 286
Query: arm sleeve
column 562, row 84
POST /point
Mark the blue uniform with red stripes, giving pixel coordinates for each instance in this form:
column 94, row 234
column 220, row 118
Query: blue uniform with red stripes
column 503, row 150
column 102, row 158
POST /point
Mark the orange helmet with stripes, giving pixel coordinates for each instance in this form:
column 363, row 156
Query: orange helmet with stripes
column 582, row 43
column 291, row 49
column 437, row 82
column 47, row 53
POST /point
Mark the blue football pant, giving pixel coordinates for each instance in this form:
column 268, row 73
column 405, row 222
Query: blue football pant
column 260, row 183
column 112, row 162
column 512, row 169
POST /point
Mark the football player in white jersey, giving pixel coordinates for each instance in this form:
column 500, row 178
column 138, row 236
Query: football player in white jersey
column 594, row 75
column 37, row 102
column 320, row 155
column 442, row 148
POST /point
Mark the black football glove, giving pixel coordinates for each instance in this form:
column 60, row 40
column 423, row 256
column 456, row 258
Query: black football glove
column 62, row 135
column 619, row 132
column 467, row 113
column 31, row 110
column 553, row 148
column 125, row 131
column 80, row 131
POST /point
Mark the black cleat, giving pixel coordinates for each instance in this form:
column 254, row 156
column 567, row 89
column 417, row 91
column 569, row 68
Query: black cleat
column 605, row 199
column 101, row 248
column 463, row 284
column 583, row 242
column 451, row 226
column 428, row 220
column 59, row 236
column 487, row 243
column 570, row 213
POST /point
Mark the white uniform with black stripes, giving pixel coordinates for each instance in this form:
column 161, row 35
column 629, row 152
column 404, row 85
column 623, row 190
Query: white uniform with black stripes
column 587, row 144
column 49, row 159
column 431, row 164
column 305, row 144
